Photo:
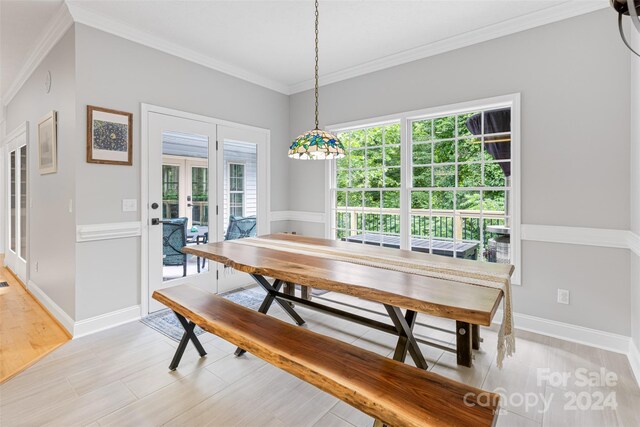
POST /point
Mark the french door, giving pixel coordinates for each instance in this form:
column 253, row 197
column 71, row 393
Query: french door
column 182, row 157
column 202, row 175
column 16, row 159
column 243, row 191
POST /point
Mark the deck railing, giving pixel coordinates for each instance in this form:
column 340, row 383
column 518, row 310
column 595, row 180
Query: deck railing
column 448, row 224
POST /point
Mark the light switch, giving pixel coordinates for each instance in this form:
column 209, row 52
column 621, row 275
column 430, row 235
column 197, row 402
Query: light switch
column 129, row 205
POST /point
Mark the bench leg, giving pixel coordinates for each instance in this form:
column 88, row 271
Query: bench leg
column 269, row 299
column 475, row 337
column 463, row 343
column 406, row 340
column 186, row 337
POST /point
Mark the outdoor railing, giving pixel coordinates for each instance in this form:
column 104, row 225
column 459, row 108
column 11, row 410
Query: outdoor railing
column 448, row 224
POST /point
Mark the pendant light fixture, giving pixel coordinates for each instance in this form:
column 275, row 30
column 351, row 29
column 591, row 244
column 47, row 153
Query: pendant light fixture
column 316, row 144
column 630, row 8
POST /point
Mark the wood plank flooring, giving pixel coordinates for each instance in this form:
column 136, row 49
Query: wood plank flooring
column 119, row 377
column 27, row 331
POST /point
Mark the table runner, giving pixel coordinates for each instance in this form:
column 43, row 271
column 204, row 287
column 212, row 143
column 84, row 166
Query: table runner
column 469, row 274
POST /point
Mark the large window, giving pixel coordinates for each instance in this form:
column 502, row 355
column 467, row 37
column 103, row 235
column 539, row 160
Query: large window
column 438, row 182
column 236, row 189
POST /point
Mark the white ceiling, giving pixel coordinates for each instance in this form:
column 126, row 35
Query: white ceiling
column 20, row 25
column 271, row 42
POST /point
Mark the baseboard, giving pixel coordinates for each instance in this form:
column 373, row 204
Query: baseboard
column 58, row 313
column 106, row 321
column 318, row 217
column 634, row 359
column 568, row 332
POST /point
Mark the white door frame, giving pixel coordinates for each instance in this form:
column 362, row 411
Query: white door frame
column 145, row 110
column 22, row 130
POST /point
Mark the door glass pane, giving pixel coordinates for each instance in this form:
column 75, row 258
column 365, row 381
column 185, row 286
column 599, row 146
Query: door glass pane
column 12, row 203
column 185, row 202
column 23, row 202
column 200, row 196
column 170, row 191
column 240, row 189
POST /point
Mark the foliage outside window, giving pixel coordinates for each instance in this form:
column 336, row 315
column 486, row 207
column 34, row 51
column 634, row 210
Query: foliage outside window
column 456, row 187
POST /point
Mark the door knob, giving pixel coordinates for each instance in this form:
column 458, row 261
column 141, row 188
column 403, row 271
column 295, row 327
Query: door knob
column 155, row 221
column 154, row 206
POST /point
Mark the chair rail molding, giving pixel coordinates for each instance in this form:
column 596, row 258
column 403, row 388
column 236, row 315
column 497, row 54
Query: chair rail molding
column 114, row 230
column 603, row 237
column 318, row 217
column 634, row 242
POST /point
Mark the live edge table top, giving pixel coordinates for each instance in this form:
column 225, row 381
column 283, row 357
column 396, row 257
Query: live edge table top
column 437, row 297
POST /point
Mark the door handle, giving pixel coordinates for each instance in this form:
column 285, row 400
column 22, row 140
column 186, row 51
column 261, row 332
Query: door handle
column 189, row 205
column 155, row 221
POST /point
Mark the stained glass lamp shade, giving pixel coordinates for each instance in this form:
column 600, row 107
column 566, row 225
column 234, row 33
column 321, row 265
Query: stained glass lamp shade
column 316, row 145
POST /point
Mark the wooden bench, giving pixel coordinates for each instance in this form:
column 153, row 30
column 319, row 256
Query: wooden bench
column 388, row 390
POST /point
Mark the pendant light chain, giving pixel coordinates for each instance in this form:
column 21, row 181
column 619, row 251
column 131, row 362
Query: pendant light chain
column 316, row 87
column 316, row 144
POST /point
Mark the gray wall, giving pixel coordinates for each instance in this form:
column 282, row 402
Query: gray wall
column 116, row 73
column 52, row 226
column 575, row 148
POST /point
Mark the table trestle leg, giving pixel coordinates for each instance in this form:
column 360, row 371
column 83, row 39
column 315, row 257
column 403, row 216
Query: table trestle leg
column 406, row 340
column 268, row 301
column 464, row 343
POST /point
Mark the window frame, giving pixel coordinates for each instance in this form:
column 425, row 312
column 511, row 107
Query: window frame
column 244, row 184
column 405, row 119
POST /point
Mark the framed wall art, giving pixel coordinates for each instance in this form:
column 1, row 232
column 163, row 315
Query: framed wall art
column 109, row 136
column 47, row 143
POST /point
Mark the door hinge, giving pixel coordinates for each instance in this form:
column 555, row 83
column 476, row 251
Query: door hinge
column 217, row 210
column 216, row 145
column 217, row 274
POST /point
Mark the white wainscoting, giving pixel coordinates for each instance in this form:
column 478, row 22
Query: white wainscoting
column 113, row 230
column 106, row 321
column 53, row 308
column 316, row 217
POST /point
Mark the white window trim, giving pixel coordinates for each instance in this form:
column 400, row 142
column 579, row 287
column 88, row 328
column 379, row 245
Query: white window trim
column 405, row 117
column 244, row 184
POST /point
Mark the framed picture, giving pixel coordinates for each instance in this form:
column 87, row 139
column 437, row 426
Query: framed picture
column 47, row 144
column 109, row 136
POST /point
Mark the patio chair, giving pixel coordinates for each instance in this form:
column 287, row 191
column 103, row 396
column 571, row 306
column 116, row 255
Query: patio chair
column 241, row 227
column 174, row 238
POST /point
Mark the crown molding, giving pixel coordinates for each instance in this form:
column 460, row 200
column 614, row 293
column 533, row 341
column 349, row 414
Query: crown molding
column 50, row 35
column 549, row 15
column 70, row 12
column 120, row 29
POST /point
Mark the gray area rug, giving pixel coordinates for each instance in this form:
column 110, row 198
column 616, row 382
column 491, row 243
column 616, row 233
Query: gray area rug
column 4, row 284
column 165, row 322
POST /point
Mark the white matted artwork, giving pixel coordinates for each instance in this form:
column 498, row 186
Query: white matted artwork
column 47, row 144
column 109, row 136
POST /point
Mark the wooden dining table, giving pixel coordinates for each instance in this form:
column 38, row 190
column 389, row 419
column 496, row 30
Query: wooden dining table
column 403, row 295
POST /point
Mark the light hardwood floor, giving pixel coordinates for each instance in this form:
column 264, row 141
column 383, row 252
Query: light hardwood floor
column 27, row 331
column 119, row 377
